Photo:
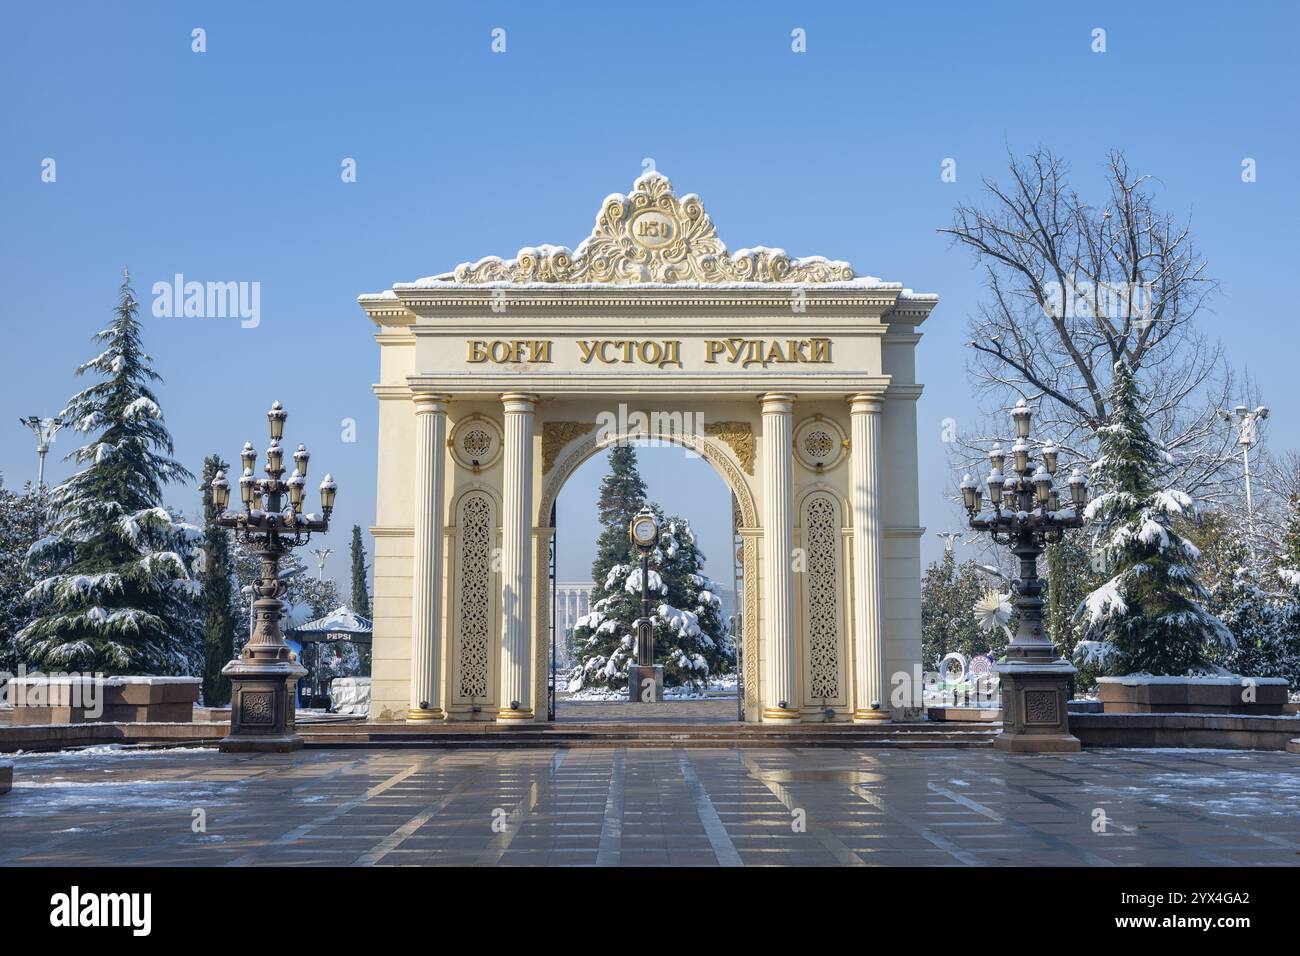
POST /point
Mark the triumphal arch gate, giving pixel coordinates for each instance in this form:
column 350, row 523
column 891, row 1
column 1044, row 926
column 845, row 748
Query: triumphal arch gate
column 792, row 377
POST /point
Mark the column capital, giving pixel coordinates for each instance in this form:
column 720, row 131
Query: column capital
column 426, row 402
column 777, row 401
column 867, row 403
column 519, row 401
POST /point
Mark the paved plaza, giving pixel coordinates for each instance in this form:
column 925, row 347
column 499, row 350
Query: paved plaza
column 670, row 806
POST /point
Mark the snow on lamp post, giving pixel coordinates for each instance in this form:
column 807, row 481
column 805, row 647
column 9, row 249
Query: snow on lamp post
column 1025, row 512
column 263, row 677
column 645, row 678
column 44, row 429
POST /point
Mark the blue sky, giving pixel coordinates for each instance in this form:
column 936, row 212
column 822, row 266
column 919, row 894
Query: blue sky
column 225, row 166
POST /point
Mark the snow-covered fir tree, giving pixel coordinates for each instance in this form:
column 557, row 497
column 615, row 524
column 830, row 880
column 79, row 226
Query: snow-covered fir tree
column 622, row 495
column 1263, row 618
column 690, row 635
column 122, row 593
column 22, row 515
column 1148, row 616
column 691, row 638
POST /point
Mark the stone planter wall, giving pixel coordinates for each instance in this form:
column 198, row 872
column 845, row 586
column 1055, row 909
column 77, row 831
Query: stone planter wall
column 1185, row 730
column 78, row 700
column 1191, row 695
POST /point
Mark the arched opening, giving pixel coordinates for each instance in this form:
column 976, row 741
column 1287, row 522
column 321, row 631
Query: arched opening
column 696, row 575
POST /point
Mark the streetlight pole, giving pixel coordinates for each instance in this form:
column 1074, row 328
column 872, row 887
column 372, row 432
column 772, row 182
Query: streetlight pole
column 1247, row 425
column 950, row 538
column 1026, row 515
column 645, row 678
column 45, row 429
column 263, row 677
column 321, row 555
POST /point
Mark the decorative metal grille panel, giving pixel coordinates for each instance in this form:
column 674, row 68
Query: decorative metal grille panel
column 475, row 599
column 822, row 535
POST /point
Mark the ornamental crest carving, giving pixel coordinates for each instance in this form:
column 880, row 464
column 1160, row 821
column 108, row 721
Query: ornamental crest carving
column 555, row 435
column 650, row 235
column 739, row 436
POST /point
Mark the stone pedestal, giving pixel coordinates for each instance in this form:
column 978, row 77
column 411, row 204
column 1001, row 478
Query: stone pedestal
column 262, row 707
column 1193, row 695
column 83, row 700
column 1035, row 719
column 638, row 686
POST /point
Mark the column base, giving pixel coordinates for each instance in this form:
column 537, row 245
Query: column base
column 781, row 714
column 421, row 715
column 511, row 715
column 863, row 715
column 1034, row 715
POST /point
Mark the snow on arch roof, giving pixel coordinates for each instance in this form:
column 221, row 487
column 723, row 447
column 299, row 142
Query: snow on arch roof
column 652, row 238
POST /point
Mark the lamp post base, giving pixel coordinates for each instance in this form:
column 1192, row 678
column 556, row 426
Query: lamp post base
column 1034, row 715
column 262, row 707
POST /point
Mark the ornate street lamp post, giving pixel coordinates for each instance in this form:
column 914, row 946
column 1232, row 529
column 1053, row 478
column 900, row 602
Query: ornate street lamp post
column 1026, row 513
column 263, row 677
column 645, row 678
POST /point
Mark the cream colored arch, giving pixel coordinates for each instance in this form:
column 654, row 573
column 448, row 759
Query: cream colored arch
column 581, row 449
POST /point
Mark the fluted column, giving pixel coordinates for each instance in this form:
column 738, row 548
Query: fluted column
column 782, row 697
column 426, row 584
column 870, row 681
column 516, row 557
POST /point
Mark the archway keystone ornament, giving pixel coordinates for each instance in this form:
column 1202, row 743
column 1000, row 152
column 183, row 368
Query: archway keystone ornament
column 718, row 352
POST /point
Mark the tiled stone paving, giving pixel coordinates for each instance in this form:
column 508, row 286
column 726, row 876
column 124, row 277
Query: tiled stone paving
column 613, row 806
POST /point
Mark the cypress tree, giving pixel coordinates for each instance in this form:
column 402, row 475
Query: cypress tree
column 218, row 594
column 360, row 589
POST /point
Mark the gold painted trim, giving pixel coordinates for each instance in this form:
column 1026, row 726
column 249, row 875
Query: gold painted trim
column 780, row 713
column 522, row 714
column 739, row 436
column 555, row 435
column 419, row 716
column 863, row 715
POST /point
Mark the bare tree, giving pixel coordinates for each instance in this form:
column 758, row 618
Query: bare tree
column 1074, row 288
